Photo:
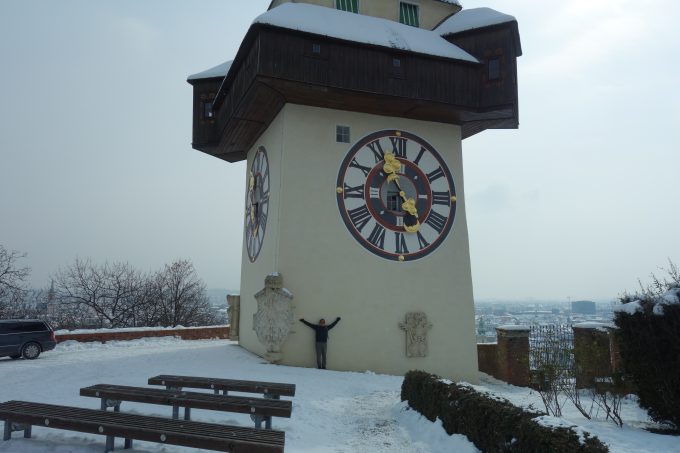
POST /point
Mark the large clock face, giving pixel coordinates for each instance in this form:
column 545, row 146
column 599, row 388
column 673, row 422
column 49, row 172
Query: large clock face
column 257, row 203
column 396, row 195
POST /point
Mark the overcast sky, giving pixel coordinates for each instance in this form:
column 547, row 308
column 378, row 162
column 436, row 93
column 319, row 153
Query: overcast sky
column 96, row 158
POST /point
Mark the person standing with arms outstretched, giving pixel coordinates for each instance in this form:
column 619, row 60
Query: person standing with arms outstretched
column 321, row 331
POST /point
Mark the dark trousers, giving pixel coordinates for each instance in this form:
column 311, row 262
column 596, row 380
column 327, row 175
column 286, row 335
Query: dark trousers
column 321, row 348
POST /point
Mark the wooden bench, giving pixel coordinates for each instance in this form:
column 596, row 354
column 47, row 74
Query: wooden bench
column 272, row 390
column 21, row 416
column 260, row 409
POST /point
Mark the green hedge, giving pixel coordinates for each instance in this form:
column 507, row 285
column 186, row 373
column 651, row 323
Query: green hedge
column 492, row 424
column 650, row 354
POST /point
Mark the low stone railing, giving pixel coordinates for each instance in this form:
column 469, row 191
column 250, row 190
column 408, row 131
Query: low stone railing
column 595, row 349
column 104, row 335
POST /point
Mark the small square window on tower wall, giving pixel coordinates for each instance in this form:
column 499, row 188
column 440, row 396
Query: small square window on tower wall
column 316, row 48
column 494, row 69
column 342, row 134
column 347, row 5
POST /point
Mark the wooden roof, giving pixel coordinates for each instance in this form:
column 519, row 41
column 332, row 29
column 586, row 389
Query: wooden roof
column 277, row 65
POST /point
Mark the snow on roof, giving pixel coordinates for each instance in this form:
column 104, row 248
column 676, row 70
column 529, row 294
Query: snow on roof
column 220, row 70
column 470, row 19
column 348, row 26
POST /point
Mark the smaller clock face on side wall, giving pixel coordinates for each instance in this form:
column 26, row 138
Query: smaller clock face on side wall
column 396, row 195
column 257, row 203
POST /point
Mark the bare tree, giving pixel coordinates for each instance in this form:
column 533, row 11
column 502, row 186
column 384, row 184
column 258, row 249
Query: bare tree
column 12, row 281
column 181, row 296
column 109, row 293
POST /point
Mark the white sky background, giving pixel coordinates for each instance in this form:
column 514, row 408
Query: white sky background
column 96, row 158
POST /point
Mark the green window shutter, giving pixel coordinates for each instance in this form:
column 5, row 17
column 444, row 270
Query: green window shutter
column 347, row 5
column 408, row 14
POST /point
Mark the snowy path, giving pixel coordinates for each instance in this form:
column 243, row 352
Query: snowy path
column 332, row 411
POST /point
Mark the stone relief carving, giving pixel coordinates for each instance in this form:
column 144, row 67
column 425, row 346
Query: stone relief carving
column 416, row 327
column 274, row 318
column 234, row 302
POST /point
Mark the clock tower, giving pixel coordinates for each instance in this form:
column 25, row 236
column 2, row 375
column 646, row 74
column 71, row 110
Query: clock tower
column 352, row 127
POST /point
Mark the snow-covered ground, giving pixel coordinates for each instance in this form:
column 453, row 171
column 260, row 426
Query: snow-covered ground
column 332, row 411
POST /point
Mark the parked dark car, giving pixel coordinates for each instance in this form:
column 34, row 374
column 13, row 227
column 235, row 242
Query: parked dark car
column 25, row 338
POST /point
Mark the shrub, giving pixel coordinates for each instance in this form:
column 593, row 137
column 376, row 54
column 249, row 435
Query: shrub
column 649, row 342
column 492, row 424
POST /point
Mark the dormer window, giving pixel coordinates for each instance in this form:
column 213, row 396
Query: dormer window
column 207, row 110
column 494, row 69
column 347, row 5
column 409, row 14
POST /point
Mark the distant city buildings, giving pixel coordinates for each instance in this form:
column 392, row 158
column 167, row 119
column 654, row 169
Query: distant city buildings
column 583, row 307
column 489, row 315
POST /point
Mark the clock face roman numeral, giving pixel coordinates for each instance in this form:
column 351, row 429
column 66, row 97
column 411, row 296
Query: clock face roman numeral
column 436, row 221
column 421, row 241
column 420, row 156
column 264, row 213
column 354, row 192
column 377, row 150
column 435, row 175
column 400, row 242
column 359, row 216
column 356, row 164
column 443, row 198
column 377, row 236
column 399, row 146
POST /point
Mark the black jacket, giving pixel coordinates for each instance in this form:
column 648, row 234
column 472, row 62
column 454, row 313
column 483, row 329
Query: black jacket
column 321, row 331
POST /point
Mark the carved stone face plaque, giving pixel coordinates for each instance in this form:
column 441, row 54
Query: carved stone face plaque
column 396, row 195
column 257, row 203
column 416, row 327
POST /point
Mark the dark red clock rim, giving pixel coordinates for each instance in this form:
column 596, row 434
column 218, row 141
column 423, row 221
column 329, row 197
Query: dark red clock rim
column 343, row 211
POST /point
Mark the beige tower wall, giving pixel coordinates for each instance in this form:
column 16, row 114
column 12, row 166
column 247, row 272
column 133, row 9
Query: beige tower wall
column 331, row 275
column 252, row 274
column 432, row 12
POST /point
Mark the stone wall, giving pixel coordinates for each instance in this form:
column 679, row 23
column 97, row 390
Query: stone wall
column 596, row 354
column 197, row 333
column 513, row 355
column 508, row 358
column 487, row 355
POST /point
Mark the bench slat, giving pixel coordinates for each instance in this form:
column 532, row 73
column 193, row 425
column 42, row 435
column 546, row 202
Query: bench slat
column 275, row 388
column 131, row 426
column 149, row 422
column 194, row 400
